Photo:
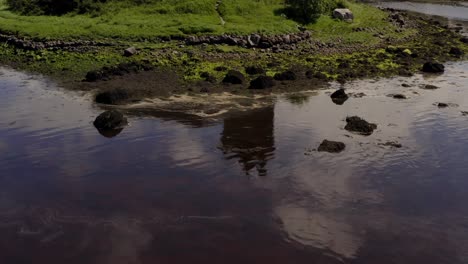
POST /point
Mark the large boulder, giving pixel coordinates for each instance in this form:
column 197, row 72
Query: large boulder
column 234, row 77
column 262, row 82
column 110, row 120
column 343, row 14
column 359, row 125
column 113, row 97
column 433, row 67
column 331, row 146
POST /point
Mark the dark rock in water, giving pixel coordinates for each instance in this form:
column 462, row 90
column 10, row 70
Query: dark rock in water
column 442, row 105
column 340, row 93
column 399, row 96
column 464, row 113
column 234, row 77
column 457, row 52
column 262, row 82
column 285, row 76
column 429, row 87
column 130, row 52
column 406, row 85
column 110, row 120
column 112, row 97
column 253, row 70
column 331, row 146
column 433, row 67
column 339, row 97
column 359, row 125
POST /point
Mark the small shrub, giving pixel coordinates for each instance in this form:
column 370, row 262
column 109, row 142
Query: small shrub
column 308, row 11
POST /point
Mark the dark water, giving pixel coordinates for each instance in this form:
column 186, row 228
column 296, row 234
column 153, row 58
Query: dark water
column 246, row 188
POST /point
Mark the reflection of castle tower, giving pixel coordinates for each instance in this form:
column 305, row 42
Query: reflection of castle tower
column 250, row 138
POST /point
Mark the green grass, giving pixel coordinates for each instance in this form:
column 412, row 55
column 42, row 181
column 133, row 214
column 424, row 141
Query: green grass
column 120, row 20
column 365, row 16
column 167, row 18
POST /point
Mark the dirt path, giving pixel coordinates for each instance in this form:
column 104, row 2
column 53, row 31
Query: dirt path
column 218, row 3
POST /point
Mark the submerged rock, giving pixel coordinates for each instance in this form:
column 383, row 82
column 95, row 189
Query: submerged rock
column 113, row 97
column 359, row 125
column 429, row 87
column 110, row 120
column 339, row 96
column 331, row 146
column 392, row 144
column 398, row 96
column 262, row 82
column 234, row 77
column 433, row 67
column 442, row 105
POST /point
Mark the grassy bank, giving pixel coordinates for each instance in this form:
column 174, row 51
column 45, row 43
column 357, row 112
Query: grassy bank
column 166, row 18
column 372, row 45
column 146, row 22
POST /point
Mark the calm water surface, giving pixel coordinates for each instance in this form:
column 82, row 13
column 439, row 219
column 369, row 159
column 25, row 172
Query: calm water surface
column 247, row 188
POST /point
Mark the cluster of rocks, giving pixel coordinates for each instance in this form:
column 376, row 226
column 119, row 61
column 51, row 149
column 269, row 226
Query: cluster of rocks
column 28, row 44
column 354, row 124
column 251, row 41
